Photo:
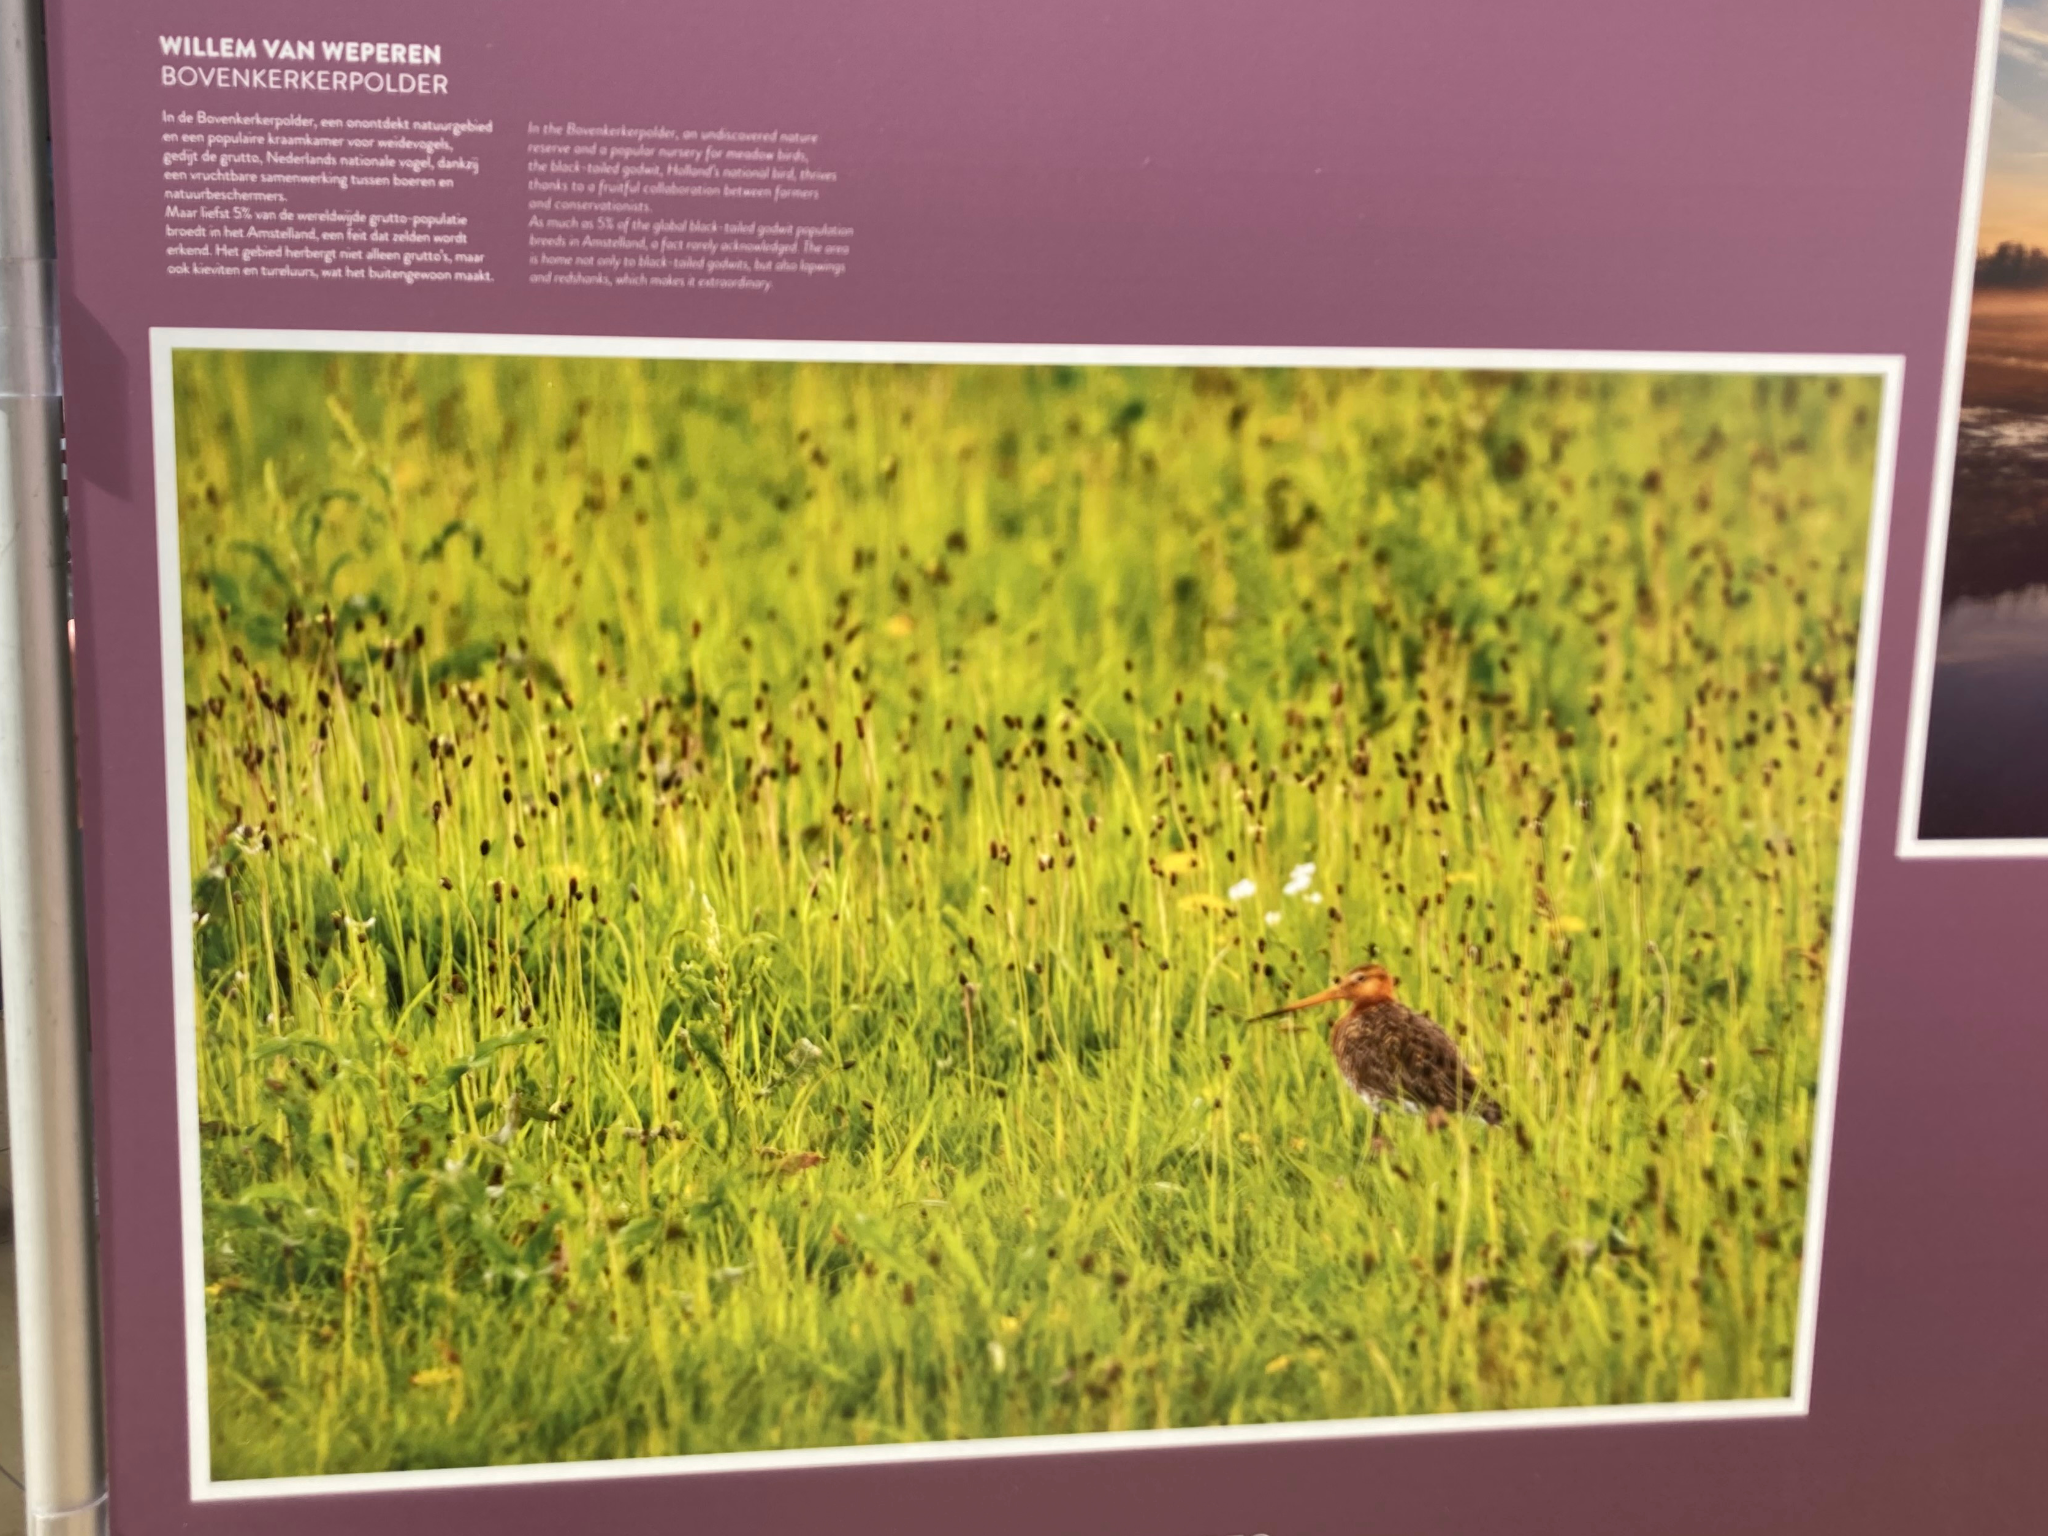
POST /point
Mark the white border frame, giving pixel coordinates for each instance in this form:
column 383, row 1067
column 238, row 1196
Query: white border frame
column 1911, row 845
column 163, row 341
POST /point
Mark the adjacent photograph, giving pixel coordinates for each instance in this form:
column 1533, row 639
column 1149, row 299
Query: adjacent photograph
column 1982, row 711
column 749, row 905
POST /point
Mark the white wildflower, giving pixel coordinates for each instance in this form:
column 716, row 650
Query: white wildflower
column 1272, row 919
column 1242, row 889
column 1298, row 879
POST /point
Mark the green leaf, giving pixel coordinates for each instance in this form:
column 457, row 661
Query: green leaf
column 282, row 1043
column 265, row 559
column 497, row 1043
column 538, row 1246
column 464, row 662
column 636, row 1236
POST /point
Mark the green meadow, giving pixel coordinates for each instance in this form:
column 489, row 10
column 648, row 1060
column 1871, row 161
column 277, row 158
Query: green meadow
column 727, row 896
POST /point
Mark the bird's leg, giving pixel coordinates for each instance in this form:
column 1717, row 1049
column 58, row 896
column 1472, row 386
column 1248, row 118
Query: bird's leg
column 1375, row 1143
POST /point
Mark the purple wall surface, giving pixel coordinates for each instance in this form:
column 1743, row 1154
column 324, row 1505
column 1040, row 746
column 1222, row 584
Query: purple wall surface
column 1758, row 175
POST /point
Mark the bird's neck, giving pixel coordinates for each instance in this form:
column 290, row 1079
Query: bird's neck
column 1356, row 1017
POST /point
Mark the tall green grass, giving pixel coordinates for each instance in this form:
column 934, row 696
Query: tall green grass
column 714, row 885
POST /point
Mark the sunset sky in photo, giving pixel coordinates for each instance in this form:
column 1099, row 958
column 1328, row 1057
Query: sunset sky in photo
column 2016, row 173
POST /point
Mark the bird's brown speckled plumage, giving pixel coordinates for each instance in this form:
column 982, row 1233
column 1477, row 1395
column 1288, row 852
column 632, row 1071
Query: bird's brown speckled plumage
column 1390, row 1054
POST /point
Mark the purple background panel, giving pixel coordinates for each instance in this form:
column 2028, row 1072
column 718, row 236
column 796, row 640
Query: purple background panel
column 1770, row 175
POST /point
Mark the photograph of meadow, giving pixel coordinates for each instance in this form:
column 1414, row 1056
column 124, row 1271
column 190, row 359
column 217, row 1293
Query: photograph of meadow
column 1986, row 728
column 731, row 900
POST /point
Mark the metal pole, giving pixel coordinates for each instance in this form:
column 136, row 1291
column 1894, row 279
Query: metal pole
column 42, row 989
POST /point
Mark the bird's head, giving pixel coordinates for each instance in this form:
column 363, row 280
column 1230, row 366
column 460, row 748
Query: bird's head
column 1366, row 984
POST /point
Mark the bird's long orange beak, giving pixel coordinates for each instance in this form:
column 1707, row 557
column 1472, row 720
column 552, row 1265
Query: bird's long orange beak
column 1327, row 995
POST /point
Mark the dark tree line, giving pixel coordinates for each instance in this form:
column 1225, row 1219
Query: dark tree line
column 2013, row 265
